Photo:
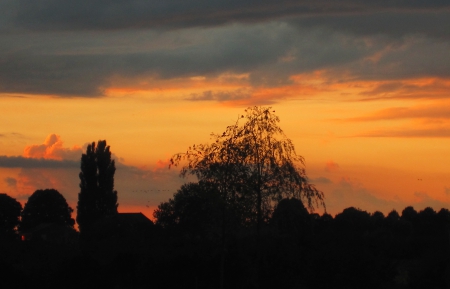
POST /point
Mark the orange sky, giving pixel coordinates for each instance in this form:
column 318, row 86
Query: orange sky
column 364, row 96
column 360, row 153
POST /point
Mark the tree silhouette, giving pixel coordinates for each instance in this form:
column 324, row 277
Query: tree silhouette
column 409, row 214
column 392, row 217
column 291, row 217
column 46, row 206
column 97, row 197
column 427, row 215
column 9, row 215
column 377, row 219
column 353, row 220
column 194, row 210
column 253, row 164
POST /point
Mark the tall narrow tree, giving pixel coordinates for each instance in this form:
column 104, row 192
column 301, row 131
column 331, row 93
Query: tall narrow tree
column 97, row 197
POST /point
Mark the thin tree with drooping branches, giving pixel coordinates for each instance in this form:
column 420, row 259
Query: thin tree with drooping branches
column 253, row 164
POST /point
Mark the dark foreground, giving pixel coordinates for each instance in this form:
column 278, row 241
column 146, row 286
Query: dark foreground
column 352, row 250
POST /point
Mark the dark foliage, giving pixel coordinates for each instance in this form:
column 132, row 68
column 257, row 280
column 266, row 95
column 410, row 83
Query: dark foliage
column 291, row 217
column 353, row 250
column 409, row 214
column 46, row 206
column 196, row 210
column 353, row 220
column 10, row 210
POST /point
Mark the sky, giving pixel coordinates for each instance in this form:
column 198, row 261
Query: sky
column 362, row 88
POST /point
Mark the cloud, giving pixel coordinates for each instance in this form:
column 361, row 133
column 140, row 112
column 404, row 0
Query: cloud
column 424, row 200
column 50, row 47
column 101, row 15
column 443, row 132
column 11, row 134
column 395, row 24
column 405, row 58
column 135, row 186
column 56, row 68
column 22, row 162
column 421, row 121
column 418, row 112
column 331, row 166
column 52, row 148
column 11, row 182
column 320, row 180
column 427, row 88
column 138, row 188
column 64, row 180
column 348, row 192
column 209, row 95
column 51, row 154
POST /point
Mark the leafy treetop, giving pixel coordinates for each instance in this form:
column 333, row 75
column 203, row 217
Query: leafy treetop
column 46, row 206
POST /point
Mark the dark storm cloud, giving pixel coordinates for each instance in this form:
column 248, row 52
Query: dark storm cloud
column 270, row 53
column 85, row 73
column 259, row 50
column 76, row 48
column 434, row 24
column 52, row 74
column 21, row 162
column 120, row 14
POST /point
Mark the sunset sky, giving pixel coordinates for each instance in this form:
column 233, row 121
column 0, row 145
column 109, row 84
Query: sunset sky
column 361, row 87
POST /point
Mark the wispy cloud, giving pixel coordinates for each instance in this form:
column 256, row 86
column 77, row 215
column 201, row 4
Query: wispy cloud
column 427, row 88
column 11, row 182
column 209, row 95
column 409, row 133
column 321, row 180
column 349, row 192
column 397, row 113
